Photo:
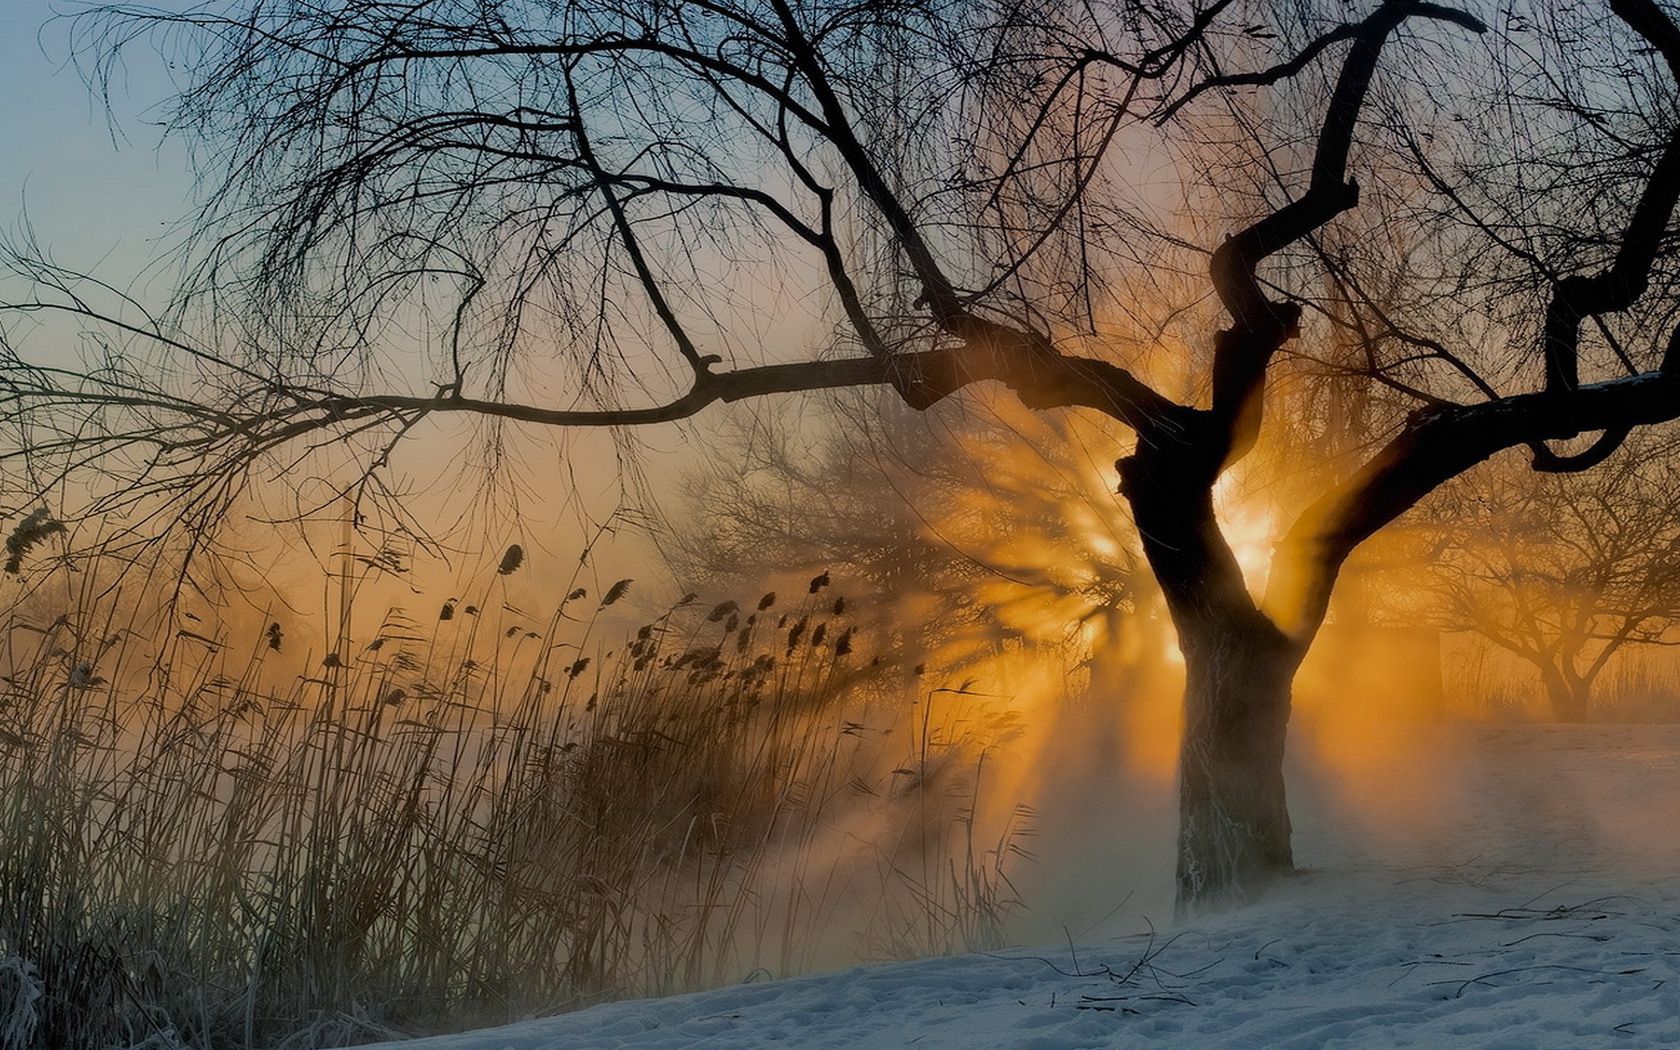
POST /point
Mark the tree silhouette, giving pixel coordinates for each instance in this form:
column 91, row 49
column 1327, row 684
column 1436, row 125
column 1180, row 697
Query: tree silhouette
column 912, row 508
column 1566, row 574
column 613, row 213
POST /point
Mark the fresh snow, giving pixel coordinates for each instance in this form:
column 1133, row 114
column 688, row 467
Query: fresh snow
column 1507, row 886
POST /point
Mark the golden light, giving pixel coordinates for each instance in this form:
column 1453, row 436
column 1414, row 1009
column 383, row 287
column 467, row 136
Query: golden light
column 1250, row 528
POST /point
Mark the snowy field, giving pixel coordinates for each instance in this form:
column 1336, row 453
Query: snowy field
column 1511, row 887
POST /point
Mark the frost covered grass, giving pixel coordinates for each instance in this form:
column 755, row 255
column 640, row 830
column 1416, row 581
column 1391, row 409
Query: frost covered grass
column 461, row 821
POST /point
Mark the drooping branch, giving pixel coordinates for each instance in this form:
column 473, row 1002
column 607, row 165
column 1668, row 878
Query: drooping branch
column 627, row 234
column 1547, row 461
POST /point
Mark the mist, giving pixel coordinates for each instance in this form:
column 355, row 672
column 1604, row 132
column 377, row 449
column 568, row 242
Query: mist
column 1171, row 508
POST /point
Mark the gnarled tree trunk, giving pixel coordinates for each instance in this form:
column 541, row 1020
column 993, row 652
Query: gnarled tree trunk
column 1234, row 828
column 1233, row 814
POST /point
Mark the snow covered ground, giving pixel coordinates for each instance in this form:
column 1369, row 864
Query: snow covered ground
column 1513, row 886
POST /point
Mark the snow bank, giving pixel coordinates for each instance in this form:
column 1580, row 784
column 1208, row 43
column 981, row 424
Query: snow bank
column 1480, row 887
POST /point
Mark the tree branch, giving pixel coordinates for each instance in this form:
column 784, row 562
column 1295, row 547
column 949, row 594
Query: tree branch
column 1436, row 445
column 923, row 378
column 1619, row 286
column 1260, row 325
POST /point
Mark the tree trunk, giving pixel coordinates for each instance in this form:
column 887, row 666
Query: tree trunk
column 1570, row 698
column 1233, row 836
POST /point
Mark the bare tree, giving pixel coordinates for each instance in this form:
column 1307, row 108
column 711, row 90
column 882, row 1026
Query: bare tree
column 586, row 206
column 1565, row 574
column 914, row 508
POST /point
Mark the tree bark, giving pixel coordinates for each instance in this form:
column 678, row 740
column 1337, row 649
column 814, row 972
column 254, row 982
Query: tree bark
column 1234, row 829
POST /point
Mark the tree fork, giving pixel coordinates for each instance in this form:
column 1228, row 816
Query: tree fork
column 1234, row 828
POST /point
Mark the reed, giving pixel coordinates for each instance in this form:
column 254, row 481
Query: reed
column 465, row 819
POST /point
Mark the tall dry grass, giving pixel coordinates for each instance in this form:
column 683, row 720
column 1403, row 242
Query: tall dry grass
column 465, row 819
column 1485, row 684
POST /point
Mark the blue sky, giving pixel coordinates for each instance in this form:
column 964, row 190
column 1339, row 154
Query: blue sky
column 97, row 200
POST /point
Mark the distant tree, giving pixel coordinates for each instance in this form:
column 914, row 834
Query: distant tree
column 614, row 213
column 969, row 533
column 1565, row 575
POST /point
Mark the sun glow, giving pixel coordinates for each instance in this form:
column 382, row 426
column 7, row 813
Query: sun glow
column 1250, row 528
